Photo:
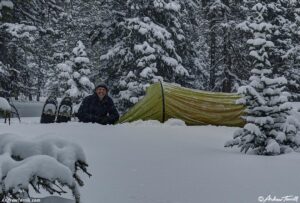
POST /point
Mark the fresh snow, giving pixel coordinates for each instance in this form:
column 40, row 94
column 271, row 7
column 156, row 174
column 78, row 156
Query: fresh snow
column 150, row 162
column 6, row 3
column 4, row 105
column 82, row 60
column 20, row 174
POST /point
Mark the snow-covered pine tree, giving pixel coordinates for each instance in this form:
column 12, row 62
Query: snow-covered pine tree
column 196, row 48
column 71, row 74
column 215, row 12
column 80, row 18
column 144, row 41
column 62, row 74
column 226, row 52
column 284, row 15
column 79, row 84
column 269, row 129
column 26, row 31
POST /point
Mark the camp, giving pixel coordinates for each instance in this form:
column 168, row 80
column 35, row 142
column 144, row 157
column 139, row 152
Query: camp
column 165, row 100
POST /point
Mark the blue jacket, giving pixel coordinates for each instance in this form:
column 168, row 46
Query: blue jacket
column 94, row 110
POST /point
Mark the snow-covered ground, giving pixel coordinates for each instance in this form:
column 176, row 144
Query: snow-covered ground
column 149, row 162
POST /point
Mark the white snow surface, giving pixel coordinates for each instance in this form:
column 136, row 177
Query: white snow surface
column 150, row 162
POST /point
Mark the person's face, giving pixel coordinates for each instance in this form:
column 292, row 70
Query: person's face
column 101, row 92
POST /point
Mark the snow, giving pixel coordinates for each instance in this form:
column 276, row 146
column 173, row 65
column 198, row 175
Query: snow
column 134, row 100
column 244, row 90
column 257, row 42
column 144, row 48
column 55, row 200
column 82, row 60
column 175, row 122
column 170, row 61
column 4, row 105
column 6, row 3
column 150, row 162
column 85, row 81
column 157, row 31
column 253, row 129
column 145, row 72
column 260, row 27
column 273, row 147
column 79, row 50
column 64, row 67
column 28, row 161
column 73, row 91
column 65, row 152
column 50, row 108
column 76, row 75
column 269, row 81
column 173, row 6
column 19, row 30
column 256, row 55
column 43, row 166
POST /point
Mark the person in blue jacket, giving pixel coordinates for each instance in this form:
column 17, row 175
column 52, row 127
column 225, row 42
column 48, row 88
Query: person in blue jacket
column 98, row 107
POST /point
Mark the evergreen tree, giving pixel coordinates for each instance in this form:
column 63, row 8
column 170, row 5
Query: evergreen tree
column 284, row 15
column 71, row 76
column 27, row 31
column 269, row 128
column 60, row 77
column 225, row 50
column 196, row 56
column 79, row 83
column 145, row 43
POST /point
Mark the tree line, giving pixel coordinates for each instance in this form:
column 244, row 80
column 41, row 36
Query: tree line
column 128, row 45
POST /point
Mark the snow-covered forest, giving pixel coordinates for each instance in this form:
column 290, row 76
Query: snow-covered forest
column 66, row 48
column 203, row 44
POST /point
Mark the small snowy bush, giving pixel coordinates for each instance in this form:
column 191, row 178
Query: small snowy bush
column 271, row 128
column 42, row 163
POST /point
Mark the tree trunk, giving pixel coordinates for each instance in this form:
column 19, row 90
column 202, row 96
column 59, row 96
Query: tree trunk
column 213, row 62
column 228, row 80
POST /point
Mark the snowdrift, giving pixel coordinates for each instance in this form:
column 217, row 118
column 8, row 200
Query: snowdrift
column 164, row 101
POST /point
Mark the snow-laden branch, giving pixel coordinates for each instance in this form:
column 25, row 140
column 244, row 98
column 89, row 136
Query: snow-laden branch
column 44, row 162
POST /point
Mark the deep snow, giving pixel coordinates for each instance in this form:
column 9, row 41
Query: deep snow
column 148, row 162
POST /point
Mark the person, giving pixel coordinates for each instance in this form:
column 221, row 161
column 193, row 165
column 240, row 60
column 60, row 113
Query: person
column 98, row 107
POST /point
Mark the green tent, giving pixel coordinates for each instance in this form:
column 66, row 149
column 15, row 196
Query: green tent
column 164, row 100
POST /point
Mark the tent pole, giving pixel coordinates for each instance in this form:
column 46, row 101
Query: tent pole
column 163, row 101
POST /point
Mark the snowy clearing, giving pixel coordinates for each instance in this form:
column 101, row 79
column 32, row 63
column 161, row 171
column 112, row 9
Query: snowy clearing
column 150, row 162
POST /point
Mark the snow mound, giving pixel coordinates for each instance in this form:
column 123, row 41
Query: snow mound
column 170, row 122
column 175, row 122
column 145, row 123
